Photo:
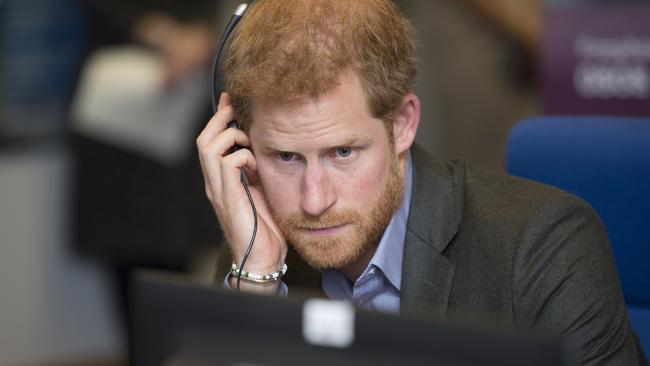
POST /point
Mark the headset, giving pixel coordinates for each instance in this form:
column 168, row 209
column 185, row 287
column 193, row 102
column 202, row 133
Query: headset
column 232, row 23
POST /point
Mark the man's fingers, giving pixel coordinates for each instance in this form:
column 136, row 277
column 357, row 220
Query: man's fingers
column 232, row 165
column 216, row 125
column 206, row 176
column 222, row 143
column 219, row 170
column 224, row 100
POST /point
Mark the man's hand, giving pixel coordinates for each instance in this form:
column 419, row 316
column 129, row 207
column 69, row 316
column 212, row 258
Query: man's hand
column 221, row 172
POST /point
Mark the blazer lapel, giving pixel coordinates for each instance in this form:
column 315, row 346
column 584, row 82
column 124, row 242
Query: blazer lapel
column 434, row 218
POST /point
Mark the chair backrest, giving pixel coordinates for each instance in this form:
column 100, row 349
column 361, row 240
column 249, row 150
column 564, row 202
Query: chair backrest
column 606, row 161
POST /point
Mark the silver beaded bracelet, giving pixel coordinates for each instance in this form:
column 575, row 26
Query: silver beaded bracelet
column 254, row 277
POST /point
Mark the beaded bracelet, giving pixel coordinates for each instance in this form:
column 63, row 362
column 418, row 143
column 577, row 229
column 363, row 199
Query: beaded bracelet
column 254, row 277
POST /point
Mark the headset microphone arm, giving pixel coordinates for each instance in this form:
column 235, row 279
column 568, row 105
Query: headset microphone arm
column 237, row 15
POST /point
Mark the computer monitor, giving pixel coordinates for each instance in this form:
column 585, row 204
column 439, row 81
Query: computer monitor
column 179, row 323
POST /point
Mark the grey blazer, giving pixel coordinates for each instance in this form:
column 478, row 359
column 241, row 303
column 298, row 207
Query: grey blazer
column 482, row 244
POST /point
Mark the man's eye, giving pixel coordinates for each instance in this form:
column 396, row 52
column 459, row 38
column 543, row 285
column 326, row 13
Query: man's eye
column 286, row 156
column 344, row 152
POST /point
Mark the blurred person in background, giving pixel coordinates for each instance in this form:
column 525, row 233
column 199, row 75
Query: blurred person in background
column 124, row 182
column 132, row 210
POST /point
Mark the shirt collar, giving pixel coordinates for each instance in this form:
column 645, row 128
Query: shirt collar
column 390, row 251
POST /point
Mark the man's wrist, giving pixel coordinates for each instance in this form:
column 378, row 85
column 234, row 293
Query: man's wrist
column 265, row 288
column 257, row 277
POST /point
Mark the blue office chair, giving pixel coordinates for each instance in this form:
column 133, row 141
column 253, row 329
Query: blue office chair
column 606, row 161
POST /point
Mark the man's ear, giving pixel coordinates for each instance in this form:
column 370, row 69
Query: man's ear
column 405, row 125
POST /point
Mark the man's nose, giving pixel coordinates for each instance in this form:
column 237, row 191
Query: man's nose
column 317, row 192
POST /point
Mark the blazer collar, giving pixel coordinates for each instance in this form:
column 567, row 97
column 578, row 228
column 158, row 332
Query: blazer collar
column 434, row 218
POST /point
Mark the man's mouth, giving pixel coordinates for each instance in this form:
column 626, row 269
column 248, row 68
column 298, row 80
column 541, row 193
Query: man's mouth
column 326, row 230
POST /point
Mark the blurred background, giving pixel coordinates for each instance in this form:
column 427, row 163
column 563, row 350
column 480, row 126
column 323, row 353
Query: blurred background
column 100, row 103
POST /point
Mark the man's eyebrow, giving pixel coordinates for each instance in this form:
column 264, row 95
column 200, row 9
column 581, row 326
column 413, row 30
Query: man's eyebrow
column 353, row 141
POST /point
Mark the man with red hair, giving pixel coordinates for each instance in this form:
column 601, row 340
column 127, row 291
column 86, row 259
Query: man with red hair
column 322, row 90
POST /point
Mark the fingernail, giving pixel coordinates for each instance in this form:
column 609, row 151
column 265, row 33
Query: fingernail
column 222, row 96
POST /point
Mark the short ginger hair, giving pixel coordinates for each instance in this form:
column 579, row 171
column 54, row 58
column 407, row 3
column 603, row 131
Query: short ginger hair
column 286, row 51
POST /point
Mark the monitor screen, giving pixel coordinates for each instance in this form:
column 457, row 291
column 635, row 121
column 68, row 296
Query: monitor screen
column 179, row 323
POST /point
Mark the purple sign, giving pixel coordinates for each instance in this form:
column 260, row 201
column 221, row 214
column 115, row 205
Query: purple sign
column 596, row 60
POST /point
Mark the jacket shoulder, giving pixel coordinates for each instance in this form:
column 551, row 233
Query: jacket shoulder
column 508, row 203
